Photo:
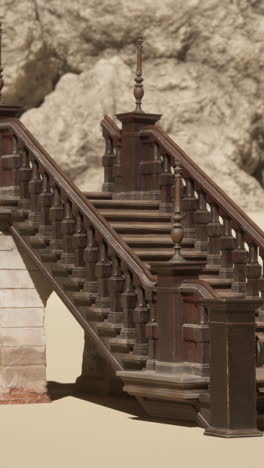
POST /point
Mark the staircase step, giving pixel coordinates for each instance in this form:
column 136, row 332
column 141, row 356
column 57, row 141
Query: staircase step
column 135, row 215
column 121, row 345
column 153, row 240
column 137, row 227
column 19, row 214
column 152, row 255
column 98, row 195
column 82, row 297
column 133, row 361
column 217, row 282
column 27, row 229
column 69, row 285
column 126, row 204
column 228, row 293
column 37, row 243
column 93, row 314
column 48, row 257
column 9, row 201
column 108, row 329
column 59, row 270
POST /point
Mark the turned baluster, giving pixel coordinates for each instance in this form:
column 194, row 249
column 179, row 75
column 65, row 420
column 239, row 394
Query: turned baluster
column 45, row 199
column 103, row 270
column 166, row 181
column 227, row 244
column 239, row 258
column 34, row 187
column 67, row 227
column 25, row 173
column 177, row 232
column 108, row 162
column 116, row 287
column 261, row 288
column 151, row 330
column 201, row 219
column 79, row 271
column 214, row 230
column 91, row 254
column 189, row 205
column 116, row 167
column 56, row 216
column 253, row 271
column 140, row 316
column 129, row 302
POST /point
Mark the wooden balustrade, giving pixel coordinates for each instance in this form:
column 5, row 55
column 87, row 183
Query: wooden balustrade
column 56, row 217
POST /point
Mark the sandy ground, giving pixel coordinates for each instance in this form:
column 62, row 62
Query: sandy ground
column 71, row 432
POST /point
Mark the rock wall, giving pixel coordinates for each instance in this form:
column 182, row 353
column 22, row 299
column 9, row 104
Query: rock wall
column 70, row 63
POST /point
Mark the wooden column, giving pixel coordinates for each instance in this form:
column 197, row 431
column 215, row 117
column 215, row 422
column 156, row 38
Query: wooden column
column 232, row 368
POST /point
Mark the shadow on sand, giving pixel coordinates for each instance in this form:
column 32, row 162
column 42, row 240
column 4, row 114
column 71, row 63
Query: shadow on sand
column 124, row 402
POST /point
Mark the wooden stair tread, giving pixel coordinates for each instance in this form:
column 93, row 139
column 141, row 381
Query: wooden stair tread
column 216, row 280
column 98, row 195
column 129, row 226
column 127, row 204
column 132, row 214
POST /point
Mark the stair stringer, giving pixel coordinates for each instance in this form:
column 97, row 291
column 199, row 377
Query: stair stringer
column 100, row 346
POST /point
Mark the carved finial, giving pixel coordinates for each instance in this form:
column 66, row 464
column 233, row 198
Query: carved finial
column 1, row 68
column 177, row 231
column 138, row 89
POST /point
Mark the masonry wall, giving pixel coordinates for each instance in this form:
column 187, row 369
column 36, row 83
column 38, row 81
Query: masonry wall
column 23, row 295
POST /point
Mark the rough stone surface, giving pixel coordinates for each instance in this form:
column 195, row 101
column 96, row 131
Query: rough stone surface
column 203, row 64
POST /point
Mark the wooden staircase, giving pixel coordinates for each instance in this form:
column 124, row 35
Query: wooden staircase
column 162, row 269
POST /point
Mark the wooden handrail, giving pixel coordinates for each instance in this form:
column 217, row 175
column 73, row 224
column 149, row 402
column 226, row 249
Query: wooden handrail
column 110, row 126
column 76, row 196
column 212, row 190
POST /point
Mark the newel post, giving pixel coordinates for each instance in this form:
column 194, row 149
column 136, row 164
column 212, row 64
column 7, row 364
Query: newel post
column 9, row 152
column 134, row 152
column 232, row 368
column 170, row 306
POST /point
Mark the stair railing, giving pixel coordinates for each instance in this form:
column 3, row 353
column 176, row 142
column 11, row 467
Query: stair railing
column 80, row 238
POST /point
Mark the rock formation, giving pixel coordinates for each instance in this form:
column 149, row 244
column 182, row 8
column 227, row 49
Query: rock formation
column 69, row 63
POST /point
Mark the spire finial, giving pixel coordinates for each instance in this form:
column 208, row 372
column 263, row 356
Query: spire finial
column 177, row 232
column 1, row 68
column 138, row 89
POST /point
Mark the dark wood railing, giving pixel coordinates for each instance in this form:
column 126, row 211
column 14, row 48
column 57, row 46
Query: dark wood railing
column 80, row 236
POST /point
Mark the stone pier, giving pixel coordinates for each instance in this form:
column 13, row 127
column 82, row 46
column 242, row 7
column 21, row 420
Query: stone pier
column 23, row 295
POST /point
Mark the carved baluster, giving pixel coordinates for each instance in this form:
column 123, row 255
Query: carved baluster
column 103, row 271
column 25, row 173
column 108, row 162
column 214, row 229
column 227, row 244
column 116, row 287
column 129, row 302
column 151, row 330
column 91, row 253
column 56, row 216
column 201, row 219
column 177, row 232
column 253, row 271
column 34, row 187
column 45, row 199
column 261, row 287
column 116, row 167
column 141, row 315
column 189, row 205
column 79, row 271
column 239, row 257
column 166, row 181
column 67, row 227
